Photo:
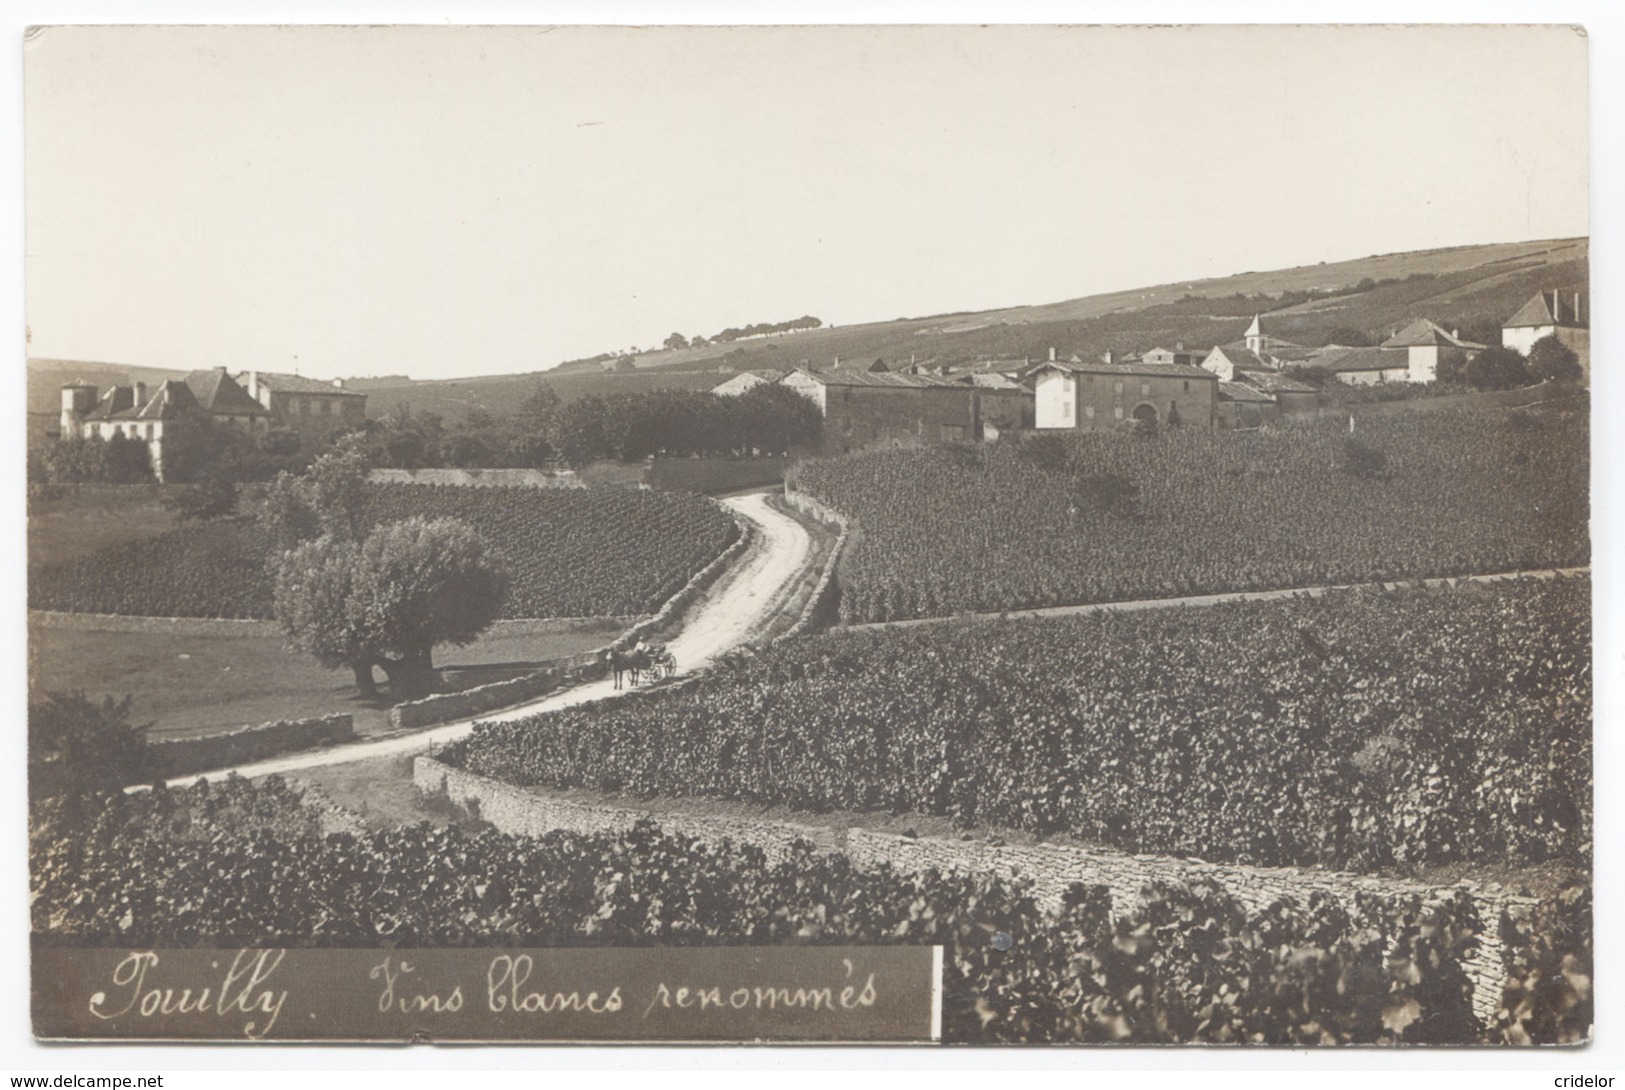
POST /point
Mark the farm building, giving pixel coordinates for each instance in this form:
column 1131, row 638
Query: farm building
column 864, row 409
column 1551, row 314
column 306, row 405
column 1243, row 406
column 1100, row 395
column 747, row 380
column 1427, row 348
column 133, row 413
column 1365, row 366
column 1002, row 404
column 1294, row 398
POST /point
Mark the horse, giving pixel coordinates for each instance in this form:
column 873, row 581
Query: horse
column 619, row 663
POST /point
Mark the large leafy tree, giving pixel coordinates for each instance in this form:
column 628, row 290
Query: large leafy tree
column 389, row 600
column 1497, row 368
column 1551, row 359
column 330, row 499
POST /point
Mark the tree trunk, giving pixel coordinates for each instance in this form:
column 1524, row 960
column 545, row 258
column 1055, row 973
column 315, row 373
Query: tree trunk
column 411, row 675
column 363, row 679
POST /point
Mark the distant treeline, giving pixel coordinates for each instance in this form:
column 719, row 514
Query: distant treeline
column 806, row 321
column 546, row 431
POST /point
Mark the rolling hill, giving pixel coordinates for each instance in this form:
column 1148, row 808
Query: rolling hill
column 1473, row 287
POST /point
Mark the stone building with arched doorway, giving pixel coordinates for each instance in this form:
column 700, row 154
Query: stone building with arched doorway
column 1100, row 395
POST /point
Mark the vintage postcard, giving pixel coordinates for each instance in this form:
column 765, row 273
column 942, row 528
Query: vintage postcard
column 910, row 535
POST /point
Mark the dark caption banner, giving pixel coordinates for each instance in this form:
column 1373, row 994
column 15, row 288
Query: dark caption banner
column 666, row 994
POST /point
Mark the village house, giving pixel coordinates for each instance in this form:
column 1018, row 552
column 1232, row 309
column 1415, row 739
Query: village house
column 308, row 406
column 131, row 412
column 1230, row 362
column 1178, row 354
column 1551, row 314
column 1100, row 395
column 1428, row 348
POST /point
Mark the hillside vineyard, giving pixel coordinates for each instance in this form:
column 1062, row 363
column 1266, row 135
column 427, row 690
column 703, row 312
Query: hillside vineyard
column 571, row 552
column 1358, row 730
column 1186, row 964
column 1097, row 518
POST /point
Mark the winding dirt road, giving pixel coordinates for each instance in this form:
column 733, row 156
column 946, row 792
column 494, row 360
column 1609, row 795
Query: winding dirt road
column 741, row 603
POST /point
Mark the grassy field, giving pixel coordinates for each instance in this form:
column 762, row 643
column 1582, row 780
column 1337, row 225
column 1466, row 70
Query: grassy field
column 221, row 675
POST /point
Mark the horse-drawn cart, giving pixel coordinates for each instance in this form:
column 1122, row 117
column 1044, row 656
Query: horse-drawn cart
column 647, row 662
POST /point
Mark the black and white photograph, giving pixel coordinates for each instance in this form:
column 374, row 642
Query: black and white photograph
column 894, row 535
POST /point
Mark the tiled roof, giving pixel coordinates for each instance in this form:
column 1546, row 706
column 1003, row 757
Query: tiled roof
column 994, row 381
column 1362, row 359
column 1279, row 384
column 168, row 401
column 1128, row 367
column 165, row 403
column 218, row 394
column 1539, row 311
column 889, row 379
column 295, row 384
column 1235, row 391
column 116, row 404
column 1424, row 332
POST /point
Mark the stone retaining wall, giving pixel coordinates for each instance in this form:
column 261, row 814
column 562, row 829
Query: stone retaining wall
column 449, row 707
column 184, row 756
column 481, row 478
column 823, row 605
column 1051, row 867
column 682, row 599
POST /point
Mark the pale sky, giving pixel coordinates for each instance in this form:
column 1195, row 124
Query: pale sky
column 441, row 201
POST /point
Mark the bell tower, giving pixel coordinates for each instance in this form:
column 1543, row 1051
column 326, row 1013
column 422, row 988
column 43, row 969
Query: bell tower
column 1255, row 338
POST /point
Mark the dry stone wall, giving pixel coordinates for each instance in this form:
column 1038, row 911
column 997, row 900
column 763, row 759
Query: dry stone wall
column 184, row 756
column 823, row 605
column 449, row 707
column 481, row 478
column 1052, row 868
column 691, row 590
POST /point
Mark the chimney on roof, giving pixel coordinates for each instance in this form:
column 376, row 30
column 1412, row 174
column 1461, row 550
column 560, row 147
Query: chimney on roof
column 1052, row 353
column 254, row 383
column 1456, row 333
column 837, row 361
column 1106, row 356
column 338, row 383
column 1179, row 346
column 140, row 394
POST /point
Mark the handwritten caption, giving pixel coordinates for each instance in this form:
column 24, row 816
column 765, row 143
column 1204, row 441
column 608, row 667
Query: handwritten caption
column 717, row 993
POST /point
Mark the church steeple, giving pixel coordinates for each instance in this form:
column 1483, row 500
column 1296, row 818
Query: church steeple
column 1255, row 337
